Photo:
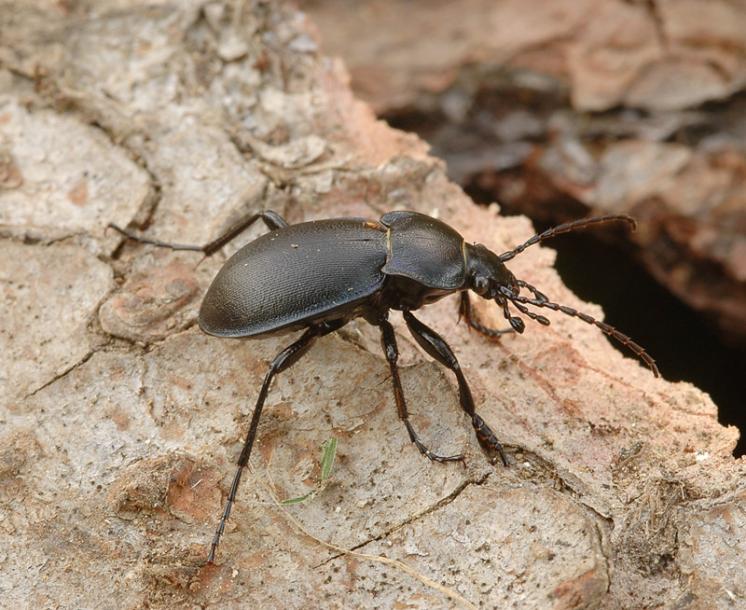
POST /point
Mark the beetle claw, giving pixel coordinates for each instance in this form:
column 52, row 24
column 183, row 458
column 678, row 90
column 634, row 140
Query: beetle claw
column 459, row 457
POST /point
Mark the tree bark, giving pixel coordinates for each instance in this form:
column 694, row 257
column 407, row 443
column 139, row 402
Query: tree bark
column 120, row 421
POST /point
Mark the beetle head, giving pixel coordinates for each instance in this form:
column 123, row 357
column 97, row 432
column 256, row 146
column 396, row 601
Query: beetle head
column 486, row 273
column 488, row 276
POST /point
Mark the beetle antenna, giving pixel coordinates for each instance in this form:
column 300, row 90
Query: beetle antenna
column 543, row 320
column 566, row 228
column 609, row 330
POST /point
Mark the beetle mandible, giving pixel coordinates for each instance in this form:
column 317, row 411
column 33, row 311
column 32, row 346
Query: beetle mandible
column 316, row 276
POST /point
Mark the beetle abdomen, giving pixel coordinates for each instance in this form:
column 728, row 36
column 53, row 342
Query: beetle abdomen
column 297, row 274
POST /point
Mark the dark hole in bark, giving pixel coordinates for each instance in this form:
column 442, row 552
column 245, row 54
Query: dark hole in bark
column 685, row 345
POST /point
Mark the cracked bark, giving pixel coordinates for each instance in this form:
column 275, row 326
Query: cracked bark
column 113, row 474
column 439, row 504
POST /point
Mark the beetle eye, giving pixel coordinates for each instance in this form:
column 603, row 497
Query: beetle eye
column 480, row 285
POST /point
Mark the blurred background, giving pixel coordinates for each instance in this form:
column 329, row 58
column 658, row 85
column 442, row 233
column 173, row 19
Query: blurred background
column 560, row 109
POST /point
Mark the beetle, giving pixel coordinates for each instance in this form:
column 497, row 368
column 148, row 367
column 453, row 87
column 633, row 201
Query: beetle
column 316, row 276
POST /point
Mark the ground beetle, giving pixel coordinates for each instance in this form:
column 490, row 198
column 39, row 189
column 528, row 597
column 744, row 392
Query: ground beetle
column 317, row 276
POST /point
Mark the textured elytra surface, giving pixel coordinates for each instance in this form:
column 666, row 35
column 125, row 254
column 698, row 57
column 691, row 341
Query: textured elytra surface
column 308, row 271
column 114, row 465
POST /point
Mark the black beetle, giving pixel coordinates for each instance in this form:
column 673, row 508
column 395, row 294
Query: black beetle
column 319, row 275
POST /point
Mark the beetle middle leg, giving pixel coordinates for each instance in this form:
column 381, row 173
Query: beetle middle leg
column 272, row 219
column 286, row 358
column 391, row 350
column 436, row 346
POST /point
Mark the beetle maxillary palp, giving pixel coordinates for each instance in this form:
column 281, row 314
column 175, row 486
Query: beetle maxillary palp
column 515, row 322
column 535, row 291
column 543, row 320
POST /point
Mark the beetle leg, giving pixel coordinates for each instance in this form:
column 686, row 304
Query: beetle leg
column 390, row 349
column 286, row 358
column 467, row 313
column 272, row 219
column 434, row 345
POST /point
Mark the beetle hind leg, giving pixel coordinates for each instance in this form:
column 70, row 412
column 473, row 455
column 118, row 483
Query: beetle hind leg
column 434, row 345
column 286, row 358
column 390, row 349
column 272, row 219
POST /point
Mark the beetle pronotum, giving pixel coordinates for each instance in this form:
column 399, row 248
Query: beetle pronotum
column 317, row 276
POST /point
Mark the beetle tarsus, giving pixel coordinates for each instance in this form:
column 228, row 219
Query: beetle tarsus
column 434, row 457
column 153, row 242
column 487, row 438
column 272, row 219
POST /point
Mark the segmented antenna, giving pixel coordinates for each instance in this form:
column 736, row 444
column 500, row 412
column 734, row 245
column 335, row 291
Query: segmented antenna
column 609, row 330
column 566, row 228
column 543, row 320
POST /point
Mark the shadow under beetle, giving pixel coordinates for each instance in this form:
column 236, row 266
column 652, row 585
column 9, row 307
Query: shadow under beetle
column 317, row 276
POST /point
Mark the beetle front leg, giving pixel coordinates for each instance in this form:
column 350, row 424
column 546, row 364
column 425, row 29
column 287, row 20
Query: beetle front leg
column 272, row 219
column 466, row 312
column 391, row 350
column 434, row 345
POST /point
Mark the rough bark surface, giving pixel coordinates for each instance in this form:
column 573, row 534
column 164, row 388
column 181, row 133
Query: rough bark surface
column 563, row 108
column 120, row 421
